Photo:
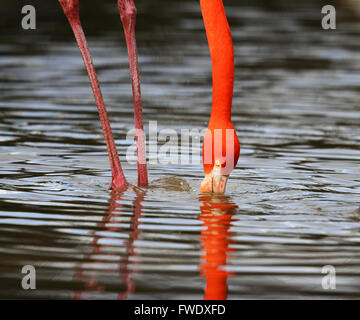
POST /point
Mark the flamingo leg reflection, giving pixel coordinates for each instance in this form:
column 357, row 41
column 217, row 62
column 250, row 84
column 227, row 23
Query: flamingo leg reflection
column 92, row 283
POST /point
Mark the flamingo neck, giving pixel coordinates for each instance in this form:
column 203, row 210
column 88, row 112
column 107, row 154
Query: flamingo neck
column 222, row 58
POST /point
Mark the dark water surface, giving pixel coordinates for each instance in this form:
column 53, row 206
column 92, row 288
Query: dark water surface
column 292, row 204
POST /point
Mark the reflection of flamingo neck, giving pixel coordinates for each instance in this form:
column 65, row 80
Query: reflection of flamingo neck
column 216, row 215
column 215, row 242
column 222, row 58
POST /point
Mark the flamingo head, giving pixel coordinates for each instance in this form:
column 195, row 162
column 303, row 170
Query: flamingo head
column 221, row 150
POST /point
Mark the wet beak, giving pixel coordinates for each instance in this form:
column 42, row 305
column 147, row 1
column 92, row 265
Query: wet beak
column 215, row 184
column 214, row 181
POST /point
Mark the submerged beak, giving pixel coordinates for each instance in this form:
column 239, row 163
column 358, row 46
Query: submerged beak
column 214, row 181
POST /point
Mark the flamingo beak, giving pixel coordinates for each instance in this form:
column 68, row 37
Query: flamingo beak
column 214, row 181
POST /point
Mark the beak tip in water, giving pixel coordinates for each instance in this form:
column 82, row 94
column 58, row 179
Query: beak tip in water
column 214, row 183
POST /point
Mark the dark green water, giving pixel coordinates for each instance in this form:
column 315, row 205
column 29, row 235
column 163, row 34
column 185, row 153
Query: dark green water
column 292, row 204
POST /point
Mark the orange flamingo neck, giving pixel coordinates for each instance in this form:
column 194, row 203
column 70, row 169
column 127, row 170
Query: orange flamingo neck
column 222, row 58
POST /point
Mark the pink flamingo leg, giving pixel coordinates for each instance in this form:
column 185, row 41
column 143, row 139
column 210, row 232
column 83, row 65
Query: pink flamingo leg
column 127, row 12
column 71, row 10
